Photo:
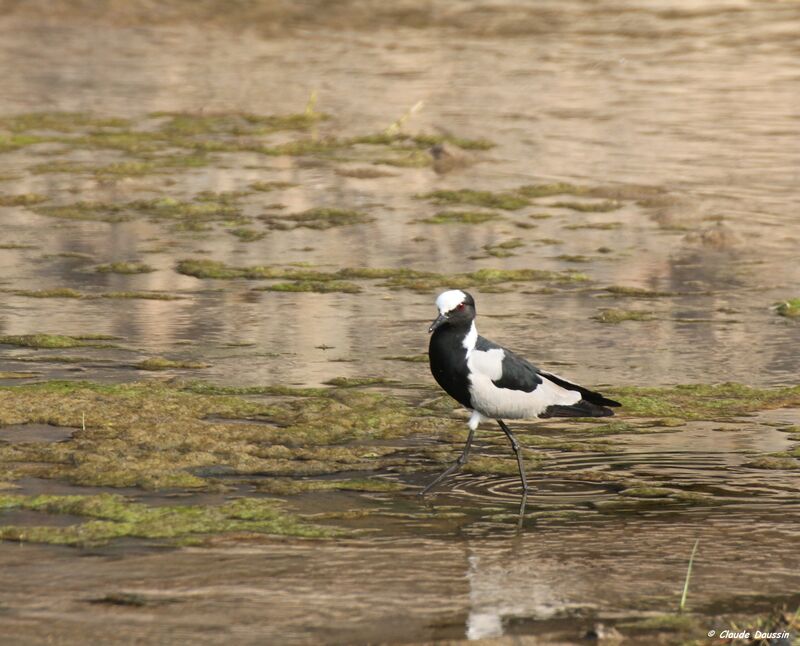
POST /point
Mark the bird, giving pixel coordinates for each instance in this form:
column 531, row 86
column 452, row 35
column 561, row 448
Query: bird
column 493, row 383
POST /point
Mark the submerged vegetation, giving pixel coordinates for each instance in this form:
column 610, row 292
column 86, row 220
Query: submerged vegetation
column 487, row 199
column 129, row 441
column 461, row 217
column 161, row 363
column 614, row 315
column 401, row 278
column 789, row 308
column 503, row 249
column 25, row 199
column 124, row 267
column 58, row 341
column 318, row 286
column 170, row 141
column 68, row 292
column 703, row 401
column 110, row 516
column 636, row 292
column 319, row 218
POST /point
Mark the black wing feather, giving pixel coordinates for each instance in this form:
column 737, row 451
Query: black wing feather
column 581, row 409
column 588, row 395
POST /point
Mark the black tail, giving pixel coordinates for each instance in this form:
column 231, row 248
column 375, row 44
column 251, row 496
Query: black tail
column 589, row 396
column 582, row 409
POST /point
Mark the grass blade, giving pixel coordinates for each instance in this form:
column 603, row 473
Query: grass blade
column 688, row 576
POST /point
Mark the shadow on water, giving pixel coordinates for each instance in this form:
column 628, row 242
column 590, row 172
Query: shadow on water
column 673, row 129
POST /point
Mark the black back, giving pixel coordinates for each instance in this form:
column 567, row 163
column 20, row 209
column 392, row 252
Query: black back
column 448, row 359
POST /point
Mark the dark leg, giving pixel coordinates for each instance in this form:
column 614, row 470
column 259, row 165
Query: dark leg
column 522, row 504
column 517, row 452
column 454, row 467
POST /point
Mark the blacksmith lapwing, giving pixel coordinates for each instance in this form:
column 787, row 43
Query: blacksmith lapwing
column 494, row 383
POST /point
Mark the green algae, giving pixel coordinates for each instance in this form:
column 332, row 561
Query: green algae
column 703, row 401
column 402, row 278
column 420, row 141
column 503, row 249
column 205, row 388
column 355, row 382
column 565, row 257
column 58, row 341
column 111, row 517
column 58, row 292
column 74, row 255
column 156, row 435
column 408, row 358
column 293, row 486
column 99, row 211
column 247, row 235
column 148, row 296
column 461, row 217
column 186, row 213
column 546, row 190
column 221, row 197
column 407, row 159
column 17, row 141
column 637, row 292
column 484, row 465
column 598, row 226
column 24, row 199
column 774, row 462
column 68, row 292
column 488, row 199
column 59, row 121
column 207, row 208
column 321, row 218
column 161, row 363
column 589, row 207
column 316, row 286
column 17, row 245
column 41, row 358
column 150, row 165
column 789, row 308
column 363, row 173
column 209, row 269
column 614, row 316
column 124, row 267
column 428, row 140
column 234, row 123
column 266, row 187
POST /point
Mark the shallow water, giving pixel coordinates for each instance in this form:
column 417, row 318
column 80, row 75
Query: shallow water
column 695, row 102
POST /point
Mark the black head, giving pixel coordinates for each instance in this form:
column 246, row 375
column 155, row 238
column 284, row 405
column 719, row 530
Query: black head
column 456, row 308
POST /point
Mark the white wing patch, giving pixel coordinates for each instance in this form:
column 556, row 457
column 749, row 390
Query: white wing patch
column 487, row 362
column 493, row 402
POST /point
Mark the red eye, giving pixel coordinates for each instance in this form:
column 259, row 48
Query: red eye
column 460, row 306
